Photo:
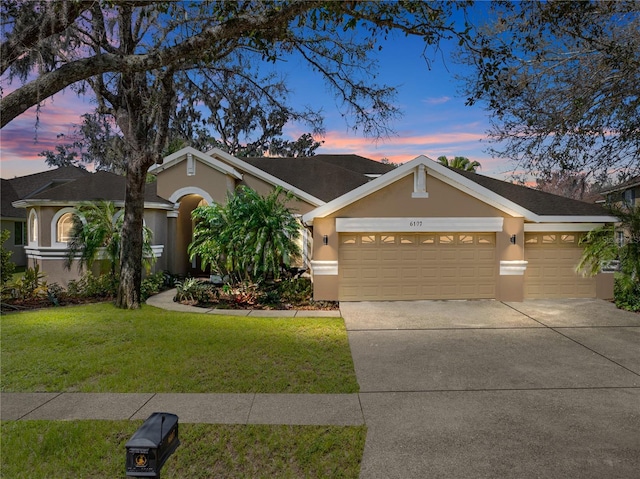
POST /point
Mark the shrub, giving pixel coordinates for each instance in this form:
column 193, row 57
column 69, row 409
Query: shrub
column 295, row 291
column 90, row 286
column 7, row 267
column 31, row 285
column 626, row 293
column 154, row 283
column 192, row 291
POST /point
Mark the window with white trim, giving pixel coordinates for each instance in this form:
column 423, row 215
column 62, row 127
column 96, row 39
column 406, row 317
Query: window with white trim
column 64, row 227
column 33, row 227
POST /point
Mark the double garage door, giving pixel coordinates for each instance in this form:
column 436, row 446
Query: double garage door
column 398, row 266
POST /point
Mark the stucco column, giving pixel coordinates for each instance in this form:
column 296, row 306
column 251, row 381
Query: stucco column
column 170, row 248
column 511, row 264
column 324, row 262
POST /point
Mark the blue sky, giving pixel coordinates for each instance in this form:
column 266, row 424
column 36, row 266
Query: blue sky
column 434, row 122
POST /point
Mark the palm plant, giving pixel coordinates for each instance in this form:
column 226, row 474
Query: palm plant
column 460, row 163
column 97, row 228
column 600, row 247
column 249, row 238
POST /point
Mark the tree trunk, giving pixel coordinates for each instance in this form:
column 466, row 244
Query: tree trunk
column 131, row 241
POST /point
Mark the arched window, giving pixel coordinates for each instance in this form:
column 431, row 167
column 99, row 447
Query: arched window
column 33, row 227
column 64, row 228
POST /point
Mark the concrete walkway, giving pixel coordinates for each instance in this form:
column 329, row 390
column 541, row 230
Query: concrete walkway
column 448, row 389
column 301, row 409
column 164, row 300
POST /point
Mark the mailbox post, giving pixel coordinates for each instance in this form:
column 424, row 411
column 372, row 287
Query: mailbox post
column 151, row 445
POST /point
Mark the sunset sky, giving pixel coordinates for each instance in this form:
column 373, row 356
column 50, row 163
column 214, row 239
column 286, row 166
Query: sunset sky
column 434, row 120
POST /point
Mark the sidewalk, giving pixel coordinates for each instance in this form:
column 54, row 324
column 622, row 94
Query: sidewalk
column 289, row 409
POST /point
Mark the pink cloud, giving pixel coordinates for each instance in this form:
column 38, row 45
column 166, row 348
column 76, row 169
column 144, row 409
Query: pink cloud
column 26, row 136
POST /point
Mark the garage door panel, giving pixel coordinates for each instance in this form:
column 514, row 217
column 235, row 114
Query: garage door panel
column 551, row 266
column 409, row 274
column 367, row 255
column 417, row 267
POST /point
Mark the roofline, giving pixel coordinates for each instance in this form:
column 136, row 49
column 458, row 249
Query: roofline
column 441, row 172
column 622, row 187
column 452, row 178
column 175, row 158
column 154, row 205
column 263, row 175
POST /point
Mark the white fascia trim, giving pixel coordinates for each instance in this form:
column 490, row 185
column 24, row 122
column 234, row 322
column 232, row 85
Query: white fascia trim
column 190, row 190
column 148, row 205
column 409, row 224
column 56, row 252
column 324, row 268
column 552, row 227
column 257, row 172
column 575, row 219
column 513, row 268
column 433, row 168
column 207, row 159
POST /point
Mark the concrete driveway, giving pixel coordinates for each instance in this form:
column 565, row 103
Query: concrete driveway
column 463, row 389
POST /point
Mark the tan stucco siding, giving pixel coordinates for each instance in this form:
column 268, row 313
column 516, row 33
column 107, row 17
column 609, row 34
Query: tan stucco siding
column 206, row 178
column 395, row 201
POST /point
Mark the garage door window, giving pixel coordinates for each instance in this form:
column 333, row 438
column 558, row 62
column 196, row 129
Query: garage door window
column 540, row 239
column 427, row 239
column 407, row 239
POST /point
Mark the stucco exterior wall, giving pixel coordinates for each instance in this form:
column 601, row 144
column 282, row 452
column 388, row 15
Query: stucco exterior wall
column 395, row 201
column 206, row 178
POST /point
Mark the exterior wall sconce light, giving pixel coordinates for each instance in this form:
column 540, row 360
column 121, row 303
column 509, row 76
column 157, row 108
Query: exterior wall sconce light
column 325, row 240
column 513, row 239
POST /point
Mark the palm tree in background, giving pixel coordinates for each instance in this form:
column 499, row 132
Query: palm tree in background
column 460, row 163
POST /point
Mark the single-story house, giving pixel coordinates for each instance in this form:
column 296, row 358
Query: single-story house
column 372, row 231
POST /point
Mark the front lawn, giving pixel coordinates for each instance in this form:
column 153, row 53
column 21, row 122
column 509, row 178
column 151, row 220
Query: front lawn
column 98, row 348
column 82, row 449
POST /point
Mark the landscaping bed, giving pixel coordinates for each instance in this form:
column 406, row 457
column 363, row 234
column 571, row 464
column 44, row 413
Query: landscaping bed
column 292, row 293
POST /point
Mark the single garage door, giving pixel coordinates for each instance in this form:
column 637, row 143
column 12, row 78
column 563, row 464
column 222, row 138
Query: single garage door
column 551, row 271
column 399, row 266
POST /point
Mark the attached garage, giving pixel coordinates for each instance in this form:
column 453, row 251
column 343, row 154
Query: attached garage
column 425, row 231
column 551, row 267
column 408, row 266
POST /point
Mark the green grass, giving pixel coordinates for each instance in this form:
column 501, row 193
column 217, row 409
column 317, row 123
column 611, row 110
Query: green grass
column 98, row 348
column 95, row 449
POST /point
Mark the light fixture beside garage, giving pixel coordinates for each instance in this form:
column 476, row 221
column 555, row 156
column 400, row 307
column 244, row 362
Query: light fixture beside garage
column 513, row 239
column 325, row 240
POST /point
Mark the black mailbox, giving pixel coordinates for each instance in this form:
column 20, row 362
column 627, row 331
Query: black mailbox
column 152, row 444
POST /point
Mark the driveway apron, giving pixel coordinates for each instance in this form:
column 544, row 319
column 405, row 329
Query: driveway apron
column 458, row 389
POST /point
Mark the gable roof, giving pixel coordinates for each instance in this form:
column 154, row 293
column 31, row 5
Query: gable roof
column 324, row 180
column 515, row 200
column 26, row 185
column 100, row 185
column 539, row 202
column 631, row 183
column 208, row 159
column 264, row 175
column 9, row 195
column 356, row 163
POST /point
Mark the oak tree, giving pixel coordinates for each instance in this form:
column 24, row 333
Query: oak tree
column 129, row 53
